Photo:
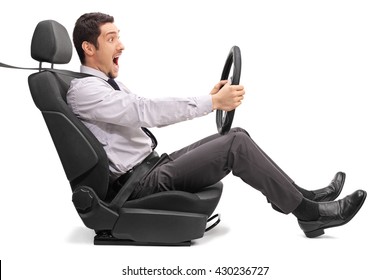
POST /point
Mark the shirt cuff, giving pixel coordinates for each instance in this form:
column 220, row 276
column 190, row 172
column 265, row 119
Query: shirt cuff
column 205, row 105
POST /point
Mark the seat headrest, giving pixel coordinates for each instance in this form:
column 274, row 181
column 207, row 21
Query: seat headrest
column 51, row 43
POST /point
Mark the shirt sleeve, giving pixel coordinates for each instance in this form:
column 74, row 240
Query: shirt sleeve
column 93, row 99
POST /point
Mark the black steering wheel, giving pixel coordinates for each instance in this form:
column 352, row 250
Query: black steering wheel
column 225, row 119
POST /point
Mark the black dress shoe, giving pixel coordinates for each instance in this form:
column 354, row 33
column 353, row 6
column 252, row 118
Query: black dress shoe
column 329, row 193
column 332, row 191
column 334, row 213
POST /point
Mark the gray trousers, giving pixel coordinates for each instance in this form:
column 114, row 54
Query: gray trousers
column 209, row 160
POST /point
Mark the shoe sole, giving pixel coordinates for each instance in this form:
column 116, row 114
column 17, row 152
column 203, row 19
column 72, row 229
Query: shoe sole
column 320, row 231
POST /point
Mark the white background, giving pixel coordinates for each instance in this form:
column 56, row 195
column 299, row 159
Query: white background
column 316, row 75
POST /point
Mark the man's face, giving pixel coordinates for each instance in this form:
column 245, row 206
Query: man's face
column 109, row 50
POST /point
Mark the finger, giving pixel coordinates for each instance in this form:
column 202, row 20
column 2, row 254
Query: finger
column 222, row 83
column 217, row 87
column 238, row 87
column 238, row 99
column 240, row 92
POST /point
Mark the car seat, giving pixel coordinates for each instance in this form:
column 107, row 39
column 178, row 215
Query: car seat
column 166, row 218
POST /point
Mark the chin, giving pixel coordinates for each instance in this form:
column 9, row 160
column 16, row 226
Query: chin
column 112, row 75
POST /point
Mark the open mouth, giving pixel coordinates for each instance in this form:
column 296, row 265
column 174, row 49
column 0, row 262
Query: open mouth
column 115, row 60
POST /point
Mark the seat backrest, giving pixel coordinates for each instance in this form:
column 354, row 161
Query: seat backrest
column 82, row 156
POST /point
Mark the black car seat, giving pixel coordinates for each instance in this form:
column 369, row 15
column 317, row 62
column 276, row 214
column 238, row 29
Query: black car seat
column 166, row 218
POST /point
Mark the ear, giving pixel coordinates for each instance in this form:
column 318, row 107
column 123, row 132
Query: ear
column 88, row 48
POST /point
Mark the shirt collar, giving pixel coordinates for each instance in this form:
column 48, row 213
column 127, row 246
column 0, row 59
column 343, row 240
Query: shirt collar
column 92, row 71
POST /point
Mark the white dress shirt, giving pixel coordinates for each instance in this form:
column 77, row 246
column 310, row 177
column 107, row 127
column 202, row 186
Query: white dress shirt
column 116, row 117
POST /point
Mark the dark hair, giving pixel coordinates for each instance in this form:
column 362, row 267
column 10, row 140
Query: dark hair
column 87, row 28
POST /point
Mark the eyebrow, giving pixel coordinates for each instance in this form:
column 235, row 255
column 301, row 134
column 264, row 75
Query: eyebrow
column 112, row 32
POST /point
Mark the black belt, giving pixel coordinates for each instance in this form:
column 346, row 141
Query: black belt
column 126, row 183
column 149, row 161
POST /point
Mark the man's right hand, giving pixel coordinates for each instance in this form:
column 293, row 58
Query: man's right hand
column 227, row 97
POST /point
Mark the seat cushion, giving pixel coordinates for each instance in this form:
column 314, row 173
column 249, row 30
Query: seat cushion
column 203, row 202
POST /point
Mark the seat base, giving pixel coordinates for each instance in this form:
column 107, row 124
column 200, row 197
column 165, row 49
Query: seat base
column 106, row 238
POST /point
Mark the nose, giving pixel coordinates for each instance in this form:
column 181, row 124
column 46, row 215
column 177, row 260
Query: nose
column 120, row 46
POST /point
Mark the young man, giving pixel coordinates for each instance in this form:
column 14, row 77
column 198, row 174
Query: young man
column 118, row 118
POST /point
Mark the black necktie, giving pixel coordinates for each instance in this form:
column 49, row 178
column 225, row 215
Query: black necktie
column 113, row 84
column 146, row 131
